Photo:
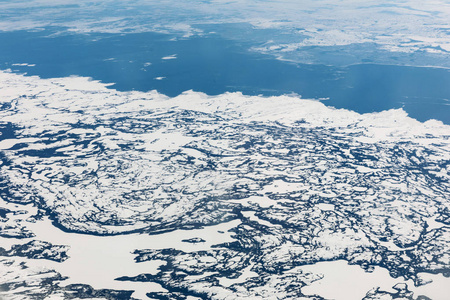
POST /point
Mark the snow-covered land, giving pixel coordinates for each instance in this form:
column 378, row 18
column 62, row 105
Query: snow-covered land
column 225, row 196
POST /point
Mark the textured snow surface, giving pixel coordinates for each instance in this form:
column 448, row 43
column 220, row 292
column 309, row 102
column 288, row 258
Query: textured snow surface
column 300, row 183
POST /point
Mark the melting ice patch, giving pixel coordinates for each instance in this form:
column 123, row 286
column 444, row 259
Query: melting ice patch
column 23, row 65
column 306, row 182
column 173, row 56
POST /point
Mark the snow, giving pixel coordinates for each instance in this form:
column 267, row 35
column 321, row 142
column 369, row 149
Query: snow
column 98, row 260
column 342, row 281
column 143, row 163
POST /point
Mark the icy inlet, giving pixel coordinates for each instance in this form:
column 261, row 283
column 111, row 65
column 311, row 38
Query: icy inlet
column 303, row 183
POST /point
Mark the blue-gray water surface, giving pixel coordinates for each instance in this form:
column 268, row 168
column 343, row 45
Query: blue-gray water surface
column 214, row 65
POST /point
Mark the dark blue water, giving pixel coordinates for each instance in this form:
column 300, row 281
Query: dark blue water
column 214, row 65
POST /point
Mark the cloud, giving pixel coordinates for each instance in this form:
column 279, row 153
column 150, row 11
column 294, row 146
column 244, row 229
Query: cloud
column 323, row 23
